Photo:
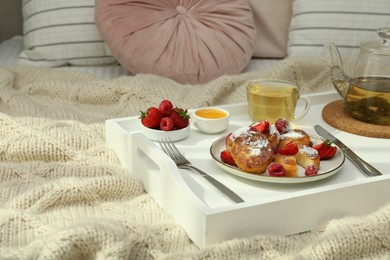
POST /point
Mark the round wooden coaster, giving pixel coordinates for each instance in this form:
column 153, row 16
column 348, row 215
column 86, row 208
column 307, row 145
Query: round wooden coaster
column 333, row 113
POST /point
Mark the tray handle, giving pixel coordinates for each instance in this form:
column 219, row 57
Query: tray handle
column 159, row 174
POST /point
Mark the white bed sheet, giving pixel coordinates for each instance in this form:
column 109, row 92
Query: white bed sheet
column 10, row 49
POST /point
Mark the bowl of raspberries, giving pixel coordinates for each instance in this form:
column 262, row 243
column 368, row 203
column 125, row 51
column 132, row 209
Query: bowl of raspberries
column 165, row 121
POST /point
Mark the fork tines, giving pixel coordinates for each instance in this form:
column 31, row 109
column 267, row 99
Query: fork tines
column 170, row 148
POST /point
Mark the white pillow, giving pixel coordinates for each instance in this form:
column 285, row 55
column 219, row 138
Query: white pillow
column 346, row 23
column 62, row 32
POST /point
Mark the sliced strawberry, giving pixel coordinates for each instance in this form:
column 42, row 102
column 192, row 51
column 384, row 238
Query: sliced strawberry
column 151, row 118
column 262, row 126
column 320, row 146
column 290, row 148
column 165, row 107
column 325, row 149
column 327, row 152
column 227, row 158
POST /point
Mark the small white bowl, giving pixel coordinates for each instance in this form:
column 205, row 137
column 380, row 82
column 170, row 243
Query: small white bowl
column 157, row 135
column 211, row 120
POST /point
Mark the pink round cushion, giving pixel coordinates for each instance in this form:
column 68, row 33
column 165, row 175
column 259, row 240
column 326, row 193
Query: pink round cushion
column 189, row 41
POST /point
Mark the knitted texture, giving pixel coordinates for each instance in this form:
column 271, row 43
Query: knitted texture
column 64, row 194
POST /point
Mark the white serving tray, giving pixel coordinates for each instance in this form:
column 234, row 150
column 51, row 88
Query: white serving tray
column 209, row 217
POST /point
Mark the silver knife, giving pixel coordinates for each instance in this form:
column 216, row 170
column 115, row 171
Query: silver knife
column 362, row 165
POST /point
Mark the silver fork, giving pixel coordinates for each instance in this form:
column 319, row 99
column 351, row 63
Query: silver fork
column 171, row 150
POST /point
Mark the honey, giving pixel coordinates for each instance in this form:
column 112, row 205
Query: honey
column 211, row 113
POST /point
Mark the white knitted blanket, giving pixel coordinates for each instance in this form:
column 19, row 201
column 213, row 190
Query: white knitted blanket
column 64, row 195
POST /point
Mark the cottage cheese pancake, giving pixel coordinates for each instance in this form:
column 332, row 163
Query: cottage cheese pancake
column 251, row 150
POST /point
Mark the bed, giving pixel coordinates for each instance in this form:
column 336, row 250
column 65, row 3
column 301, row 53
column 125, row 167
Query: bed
column 64, row 193
column 12, row 47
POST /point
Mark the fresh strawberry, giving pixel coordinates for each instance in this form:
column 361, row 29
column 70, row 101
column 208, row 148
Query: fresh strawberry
column 151, row 118
column 282, row 125
column 290, row 148
column 227, row 158
column 311, row 170
column 276, row 170
column 180, row 117
column 325, row 149
column 262, row 126
column 165, row 107
column 166, row 123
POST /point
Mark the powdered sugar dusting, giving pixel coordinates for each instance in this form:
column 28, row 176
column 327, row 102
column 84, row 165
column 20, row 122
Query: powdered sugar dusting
column 274, row 130
column 256, row 145
column 292, row 134
column 255, row 152
column 310, row 151
column 259, row 143
column 239, row 132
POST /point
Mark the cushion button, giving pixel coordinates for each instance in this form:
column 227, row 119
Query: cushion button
column 181, row 9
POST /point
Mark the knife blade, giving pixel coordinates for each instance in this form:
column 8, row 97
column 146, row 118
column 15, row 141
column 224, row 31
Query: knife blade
column 362, row 165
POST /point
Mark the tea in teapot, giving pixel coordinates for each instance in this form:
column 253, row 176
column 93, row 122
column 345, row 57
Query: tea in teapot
column 368, row 99
column 367, row 94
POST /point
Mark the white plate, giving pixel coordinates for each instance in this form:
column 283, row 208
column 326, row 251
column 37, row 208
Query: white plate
column 327, row 167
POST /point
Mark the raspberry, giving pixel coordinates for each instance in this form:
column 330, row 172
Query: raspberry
column 311, row 170
column 282, row 125
column 165, row 107
column 276, row 170
column 166, row 124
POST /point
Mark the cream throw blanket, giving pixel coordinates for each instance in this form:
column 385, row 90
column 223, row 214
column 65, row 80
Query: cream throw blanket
column 64, row 194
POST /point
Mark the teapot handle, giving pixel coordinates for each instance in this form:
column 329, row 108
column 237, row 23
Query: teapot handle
column 339, row 79
column 384, row 33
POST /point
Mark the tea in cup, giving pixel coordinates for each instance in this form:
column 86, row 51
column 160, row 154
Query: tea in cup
column 274, row 99
column 211, row 120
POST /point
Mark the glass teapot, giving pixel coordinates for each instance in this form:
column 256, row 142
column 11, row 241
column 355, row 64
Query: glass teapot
column 367, row 92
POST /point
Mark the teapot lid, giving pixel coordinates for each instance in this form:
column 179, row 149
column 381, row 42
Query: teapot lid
column 379, row 47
